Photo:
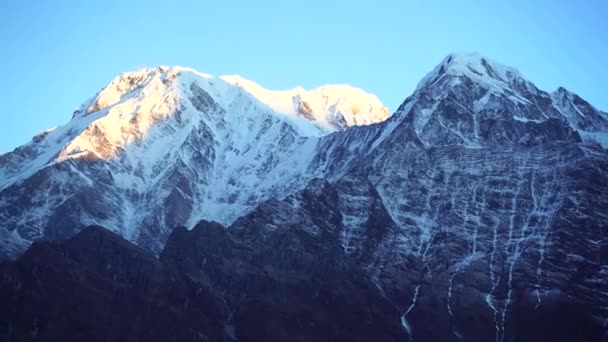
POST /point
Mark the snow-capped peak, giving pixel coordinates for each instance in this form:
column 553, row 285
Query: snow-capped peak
column 591, row 123
column 125, row 110
column 329, row 108
column 332, row 107
column 478, row 65
column 153, row 110
column 118, row 87
column 474, row 101
column 481, row 70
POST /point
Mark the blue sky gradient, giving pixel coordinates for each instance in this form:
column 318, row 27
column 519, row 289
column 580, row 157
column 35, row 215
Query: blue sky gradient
column 57, row 54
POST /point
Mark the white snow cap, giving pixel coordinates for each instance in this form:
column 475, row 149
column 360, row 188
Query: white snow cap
column 146, row 113
column 478, row 68
column 330, row 108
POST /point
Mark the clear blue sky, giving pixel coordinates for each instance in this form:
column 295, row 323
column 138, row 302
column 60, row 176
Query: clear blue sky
column 56, row 54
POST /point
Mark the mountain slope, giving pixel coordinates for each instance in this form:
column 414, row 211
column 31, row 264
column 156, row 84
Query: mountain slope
column 194, row 145
column 478, row 205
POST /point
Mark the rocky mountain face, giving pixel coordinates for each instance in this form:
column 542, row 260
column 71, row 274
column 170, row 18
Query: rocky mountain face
column 475, row 212
column 164, row 147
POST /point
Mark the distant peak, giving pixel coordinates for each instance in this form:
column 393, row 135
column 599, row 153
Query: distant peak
column 563, row 94
column 561, row 91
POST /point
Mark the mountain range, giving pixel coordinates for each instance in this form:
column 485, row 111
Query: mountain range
column 475, row 212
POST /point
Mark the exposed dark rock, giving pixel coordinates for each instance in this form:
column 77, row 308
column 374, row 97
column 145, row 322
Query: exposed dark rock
column 206, row 286
column 99, row 287
column 285, row 283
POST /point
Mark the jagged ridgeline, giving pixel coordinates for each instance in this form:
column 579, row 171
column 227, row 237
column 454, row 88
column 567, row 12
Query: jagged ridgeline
column 475, row 212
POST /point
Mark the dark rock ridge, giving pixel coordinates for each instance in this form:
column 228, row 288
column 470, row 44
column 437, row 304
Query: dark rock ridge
column 477, row 211
column 208, row 285
column 99, row 287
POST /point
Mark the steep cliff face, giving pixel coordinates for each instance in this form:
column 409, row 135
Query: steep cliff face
column 479, row 205
column 480, row 242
